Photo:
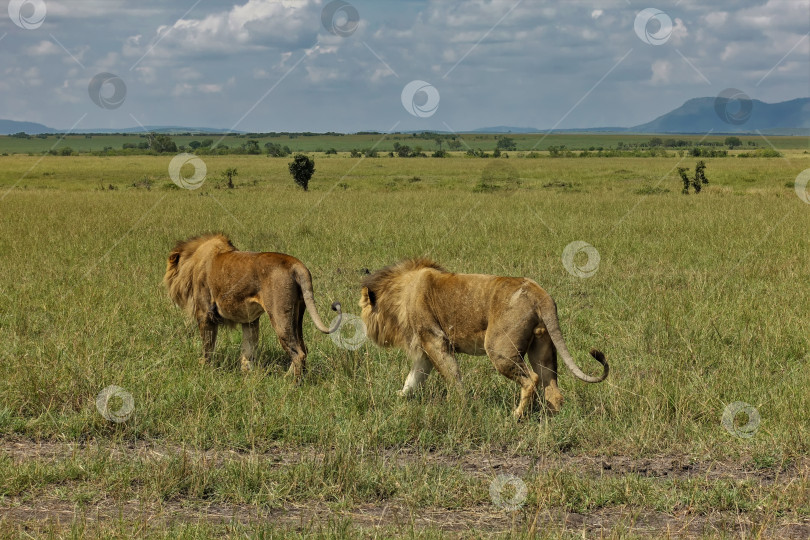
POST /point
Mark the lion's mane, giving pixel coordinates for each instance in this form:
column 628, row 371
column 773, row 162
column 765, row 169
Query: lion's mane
column 387, row 322
column 187, row 271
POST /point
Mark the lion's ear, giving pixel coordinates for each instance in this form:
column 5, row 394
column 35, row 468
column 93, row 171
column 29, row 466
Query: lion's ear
column 367, row 297
column 174, row 258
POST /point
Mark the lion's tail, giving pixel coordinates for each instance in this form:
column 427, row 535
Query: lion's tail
column 304, row 280
column 548, row 313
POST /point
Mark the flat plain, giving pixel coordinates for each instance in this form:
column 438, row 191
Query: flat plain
column 699, row 302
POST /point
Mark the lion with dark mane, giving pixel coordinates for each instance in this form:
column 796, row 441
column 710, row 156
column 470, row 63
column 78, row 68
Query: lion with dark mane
column 217, row 284
column 433, row 314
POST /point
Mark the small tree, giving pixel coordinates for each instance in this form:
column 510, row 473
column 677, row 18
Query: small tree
column 229, row 173
column 251, row 146
column 161, row 143
column 700, row 175
column 302, row 168
column 731, row 142
column 696, row 182
column 506, row 143
column 276, row 150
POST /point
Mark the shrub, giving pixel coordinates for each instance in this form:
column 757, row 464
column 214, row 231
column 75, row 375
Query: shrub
column 302, row 168
column 276, row 150
column 761, row 152
column 696, row 182
column 229, row 173
column 161, row 143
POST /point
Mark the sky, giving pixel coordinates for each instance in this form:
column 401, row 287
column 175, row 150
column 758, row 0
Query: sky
column 363, row 65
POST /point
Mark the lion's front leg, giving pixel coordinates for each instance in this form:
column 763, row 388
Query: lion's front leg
column 443, row 359
column 420, row 369
column 208, row 332
column 250, row 340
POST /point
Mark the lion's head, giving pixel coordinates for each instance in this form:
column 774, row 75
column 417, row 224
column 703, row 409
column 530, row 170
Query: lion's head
column 187, row 271
column 381, row 302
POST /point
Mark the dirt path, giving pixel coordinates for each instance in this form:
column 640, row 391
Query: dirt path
column 476, row 464
column 481, row 519
column 20, row 511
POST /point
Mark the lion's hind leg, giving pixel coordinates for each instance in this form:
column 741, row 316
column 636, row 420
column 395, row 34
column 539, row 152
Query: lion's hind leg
column 250, row 340
column 543, row 358
column 289, row 330
column 509, row 362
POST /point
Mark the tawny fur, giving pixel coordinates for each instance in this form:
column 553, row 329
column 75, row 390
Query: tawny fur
column 215, row 284
column 431, row 313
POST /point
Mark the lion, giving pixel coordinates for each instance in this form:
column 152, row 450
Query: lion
column 431, row 313
column 216, row 284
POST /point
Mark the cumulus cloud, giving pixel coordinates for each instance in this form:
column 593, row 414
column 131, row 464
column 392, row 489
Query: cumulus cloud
column 661, row 72
column 494, row 61
column 43, row 48
column 254, row 26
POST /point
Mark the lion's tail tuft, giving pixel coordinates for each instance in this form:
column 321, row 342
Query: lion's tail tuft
column 548, row 314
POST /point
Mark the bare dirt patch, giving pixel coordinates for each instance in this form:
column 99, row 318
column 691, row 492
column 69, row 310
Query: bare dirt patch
column 477, row 464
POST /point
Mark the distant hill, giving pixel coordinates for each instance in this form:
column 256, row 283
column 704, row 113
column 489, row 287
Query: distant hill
column 506, row 129
column 9, row 127
column 699, row 116
column 160, row 129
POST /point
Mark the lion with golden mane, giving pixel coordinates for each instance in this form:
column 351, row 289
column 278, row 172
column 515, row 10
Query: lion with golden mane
column 216, row 284
column 432, row 314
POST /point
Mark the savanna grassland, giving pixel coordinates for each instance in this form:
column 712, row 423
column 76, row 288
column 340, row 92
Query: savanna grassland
column 698, row 302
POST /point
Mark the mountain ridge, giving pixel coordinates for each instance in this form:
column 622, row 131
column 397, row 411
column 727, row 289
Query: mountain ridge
column 697, row 115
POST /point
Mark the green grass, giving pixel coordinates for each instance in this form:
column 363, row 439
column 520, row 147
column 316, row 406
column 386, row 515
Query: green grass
column 346, row 143
column 699, row 301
